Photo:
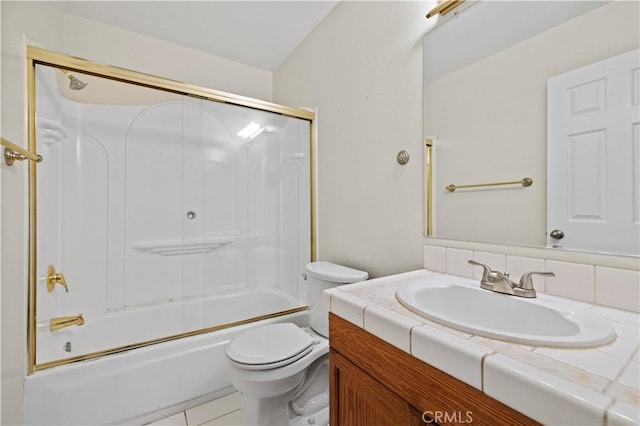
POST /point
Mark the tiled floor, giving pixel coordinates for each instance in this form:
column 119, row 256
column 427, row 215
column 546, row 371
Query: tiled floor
column 223, row 411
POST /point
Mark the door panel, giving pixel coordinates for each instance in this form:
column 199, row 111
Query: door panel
column 593, row 158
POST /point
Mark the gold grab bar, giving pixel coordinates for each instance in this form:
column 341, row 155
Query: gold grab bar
column 63, row 322
column 14, row 152
column 444, row 7
column 524, row 182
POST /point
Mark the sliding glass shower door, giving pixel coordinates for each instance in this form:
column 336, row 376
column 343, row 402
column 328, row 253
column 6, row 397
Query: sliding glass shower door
column 161, row 214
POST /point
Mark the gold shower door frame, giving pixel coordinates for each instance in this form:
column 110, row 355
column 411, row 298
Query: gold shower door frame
column 38, row 56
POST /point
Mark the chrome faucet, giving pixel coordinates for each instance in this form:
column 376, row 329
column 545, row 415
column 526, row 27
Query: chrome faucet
column 501, row 283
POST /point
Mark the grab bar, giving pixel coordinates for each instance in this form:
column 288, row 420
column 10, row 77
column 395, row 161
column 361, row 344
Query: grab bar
column 524, row 182
column 14, row 152
column 63, row 322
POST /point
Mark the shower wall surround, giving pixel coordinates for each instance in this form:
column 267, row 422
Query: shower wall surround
column 165, row 213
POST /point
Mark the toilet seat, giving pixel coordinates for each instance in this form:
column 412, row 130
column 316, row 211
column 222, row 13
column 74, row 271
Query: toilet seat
column 270, row 346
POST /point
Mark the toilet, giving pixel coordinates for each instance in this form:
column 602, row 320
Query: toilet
column 282, row 370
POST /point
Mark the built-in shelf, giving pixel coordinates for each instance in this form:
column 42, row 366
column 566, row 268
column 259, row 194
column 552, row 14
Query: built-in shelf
column 180, row 247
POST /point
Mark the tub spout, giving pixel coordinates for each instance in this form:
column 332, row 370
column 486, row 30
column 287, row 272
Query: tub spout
column 63, row 322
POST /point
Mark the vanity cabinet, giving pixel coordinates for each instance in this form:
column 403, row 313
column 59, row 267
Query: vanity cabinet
column 374, row 383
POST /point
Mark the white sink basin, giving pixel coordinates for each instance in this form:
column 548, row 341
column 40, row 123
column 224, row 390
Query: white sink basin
column 543, row 321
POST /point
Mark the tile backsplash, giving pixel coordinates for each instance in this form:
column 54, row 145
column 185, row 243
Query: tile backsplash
column 587, row 282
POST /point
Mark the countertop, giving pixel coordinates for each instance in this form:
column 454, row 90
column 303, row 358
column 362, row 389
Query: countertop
column 598, row 386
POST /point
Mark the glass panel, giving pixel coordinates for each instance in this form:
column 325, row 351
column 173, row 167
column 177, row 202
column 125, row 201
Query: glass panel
column 164, row 213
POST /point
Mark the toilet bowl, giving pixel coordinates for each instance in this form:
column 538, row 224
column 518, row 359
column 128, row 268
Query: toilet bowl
column 282, row 370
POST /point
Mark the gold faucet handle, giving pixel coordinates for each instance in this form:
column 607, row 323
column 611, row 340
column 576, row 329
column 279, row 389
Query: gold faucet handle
column 54, row 278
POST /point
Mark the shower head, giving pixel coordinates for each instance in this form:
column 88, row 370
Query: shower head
column 75, row 84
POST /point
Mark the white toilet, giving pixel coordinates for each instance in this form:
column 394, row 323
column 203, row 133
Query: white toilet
column 282, row 370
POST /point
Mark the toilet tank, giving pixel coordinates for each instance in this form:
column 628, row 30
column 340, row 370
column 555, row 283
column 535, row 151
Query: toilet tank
column 322, row 276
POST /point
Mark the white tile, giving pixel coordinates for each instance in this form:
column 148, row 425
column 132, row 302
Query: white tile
column 175, row 420
column 389, row 326
column 622, row 414
column 456, row 357
column 435, row 258
column 631, row 375
column 626, row 331
column 623, row 393
column 636, row 357
column 618, row 315
column 458, row 262
column 572, row 280
column 619, row 288
column 348, row 307
column 214, row 409
column 621, row 347
column 517, row 266
column 232, row 419
column 496, row 262
column 540, row 395
column 592, row 360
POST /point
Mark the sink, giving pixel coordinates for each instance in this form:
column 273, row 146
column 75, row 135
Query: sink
column 543, row 321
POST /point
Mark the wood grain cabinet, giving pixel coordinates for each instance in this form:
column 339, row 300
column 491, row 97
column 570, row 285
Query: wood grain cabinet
column 374, row 383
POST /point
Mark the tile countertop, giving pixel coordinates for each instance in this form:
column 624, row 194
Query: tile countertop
column 592, row 386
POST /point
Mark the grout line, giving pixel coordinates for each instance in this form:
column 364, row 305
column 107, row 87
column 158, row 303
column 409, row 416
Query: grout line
column 364, row 316
column 411, row 338
column 482, row 361
column 221, row 416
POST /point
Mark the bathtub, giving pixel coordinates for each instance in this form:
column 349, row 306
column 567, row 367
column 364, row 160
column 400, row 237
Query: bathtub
column 137, row 386
column 117, row 328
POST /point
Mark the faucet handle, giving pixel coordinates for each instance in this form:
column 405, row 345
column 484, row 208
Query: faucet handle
column 526, row 283
column 486, row 272
column 54, row 278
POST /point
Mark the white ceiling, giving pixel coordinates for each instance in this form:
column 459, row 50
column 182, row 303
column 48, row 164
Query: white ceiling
column 257, row 33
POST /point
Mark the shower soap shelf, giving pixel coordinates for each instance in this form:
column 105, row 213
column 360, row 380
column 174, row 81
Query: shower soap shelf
column 179, row 247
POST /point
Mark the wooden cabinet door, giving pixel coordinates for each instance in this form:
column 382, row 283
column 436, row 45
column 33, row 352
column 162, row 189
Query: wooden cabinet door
column 358, row 399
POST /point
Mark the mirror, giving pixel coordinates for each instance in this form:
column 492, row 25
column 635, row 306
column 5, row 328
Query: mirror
column 485, row 104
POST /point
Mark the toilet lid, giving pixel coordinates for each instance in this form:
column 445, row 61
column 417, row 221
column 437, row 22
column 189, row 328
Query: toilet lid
column 270, row 344
column 331, row 272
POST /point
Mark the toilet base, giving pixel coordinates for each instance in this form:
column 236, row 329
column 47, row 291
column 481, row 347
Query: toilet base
column 306, row 403
column 293, row 394
column 265, row 411
column 321, row 418
column 269, row 412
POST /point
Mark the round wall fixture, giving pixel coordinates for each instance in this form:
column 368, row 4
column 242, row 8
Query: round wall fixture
column 402, row 157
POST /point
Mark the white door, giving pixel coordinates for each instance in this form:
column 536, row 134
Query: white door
column 593, row 156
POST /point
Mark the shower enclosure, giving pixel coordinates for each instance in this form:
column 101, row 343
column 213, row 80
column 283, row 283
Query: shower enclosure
column 160, row 210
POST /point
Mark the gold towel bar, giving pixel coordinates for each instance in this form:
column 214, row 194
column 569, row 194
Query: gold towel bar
column 428, row 191
column 524, row 182
column 14, row 152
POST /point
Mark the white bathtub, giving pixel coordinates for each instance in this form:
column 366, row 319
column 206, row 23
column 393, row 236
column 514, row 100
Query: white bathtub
column 112, row 329
column 138, row 386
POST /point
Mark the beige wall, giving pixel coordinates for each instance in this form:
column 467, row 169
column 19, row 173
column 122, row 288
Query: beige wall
column 362, row 68
column 43, row 23
column 39, row 22
column 489, row 121
column 114, row 46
